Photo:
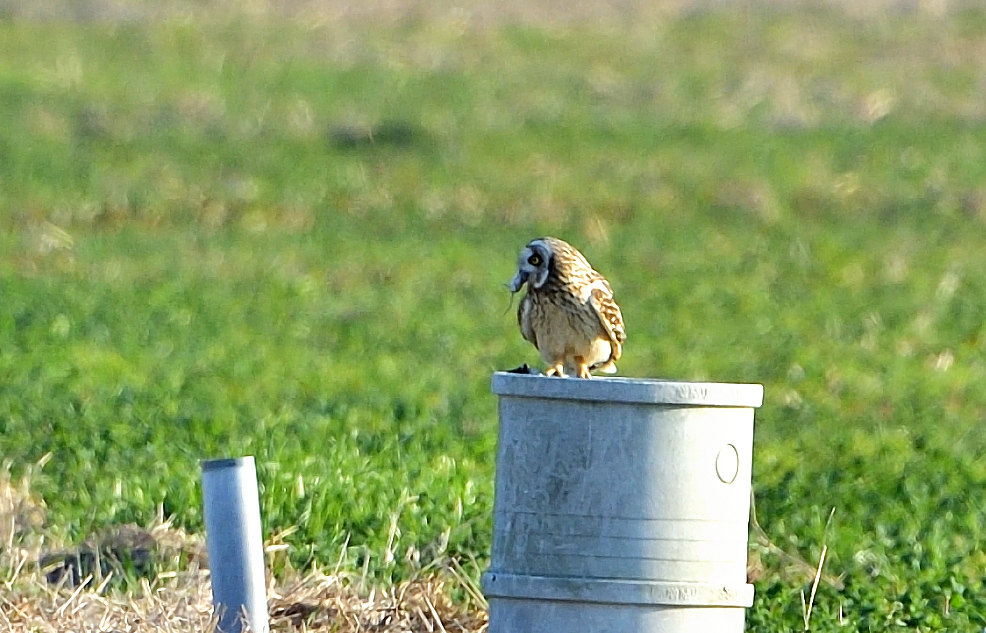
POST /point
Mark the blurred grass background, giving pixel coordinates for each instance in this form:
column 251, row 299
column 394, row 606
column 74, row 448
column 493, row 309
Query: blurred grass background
column 286, row 233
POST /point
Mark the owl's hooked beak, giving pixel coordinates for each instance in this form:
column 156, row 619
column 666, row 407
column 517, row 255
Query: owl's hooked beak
column 518, row 281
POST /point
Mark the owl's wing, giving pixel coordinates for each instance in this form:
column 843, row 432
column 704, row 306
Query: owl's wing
column 525, row 321
column 610, row 317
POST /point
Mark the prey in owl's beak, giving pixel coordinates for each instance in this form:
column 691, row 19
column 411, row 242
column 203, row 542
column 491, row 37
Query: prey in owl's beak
column 518, row 281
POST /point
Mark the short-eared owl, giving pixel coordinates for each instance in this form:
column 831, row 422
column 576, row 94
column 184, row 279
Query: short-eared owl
column 568, row 312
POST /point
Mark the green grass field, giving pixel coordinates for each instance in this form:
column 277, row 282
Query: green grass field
column 231, row 236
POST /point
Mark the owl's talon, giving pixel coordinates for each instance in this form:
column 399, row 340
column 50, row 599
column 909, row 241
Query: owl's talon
column 557, row 371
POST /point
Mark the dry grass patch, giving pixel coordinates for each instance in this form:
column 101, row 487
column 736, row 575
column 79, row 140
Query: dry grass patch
column 183, row 602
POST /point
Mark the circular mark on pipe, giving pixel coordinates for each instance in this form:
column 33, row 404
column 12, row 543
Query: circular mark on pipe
column 727, row 464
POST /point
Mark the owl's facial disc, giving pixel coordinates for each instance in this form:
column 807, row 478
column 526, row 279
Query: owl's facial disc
column 532, row 266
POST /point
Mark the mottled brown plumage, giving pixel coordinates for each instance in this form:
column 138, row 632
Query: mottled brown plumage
column 568, row 312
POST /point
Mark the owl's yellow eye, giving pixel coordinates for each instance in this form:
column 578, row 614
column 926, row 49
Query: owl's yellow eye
column 534, row 260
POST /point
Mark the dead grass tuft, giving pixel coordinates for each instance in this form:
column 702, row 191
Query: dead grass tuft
column 318, row 602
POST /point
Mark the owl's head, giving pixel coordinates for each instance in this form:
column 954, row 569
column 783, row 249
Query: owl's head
column 534, row 264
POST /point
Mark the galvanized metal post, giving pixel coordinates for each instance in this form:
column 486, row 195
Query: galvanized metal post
column 236, row 545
